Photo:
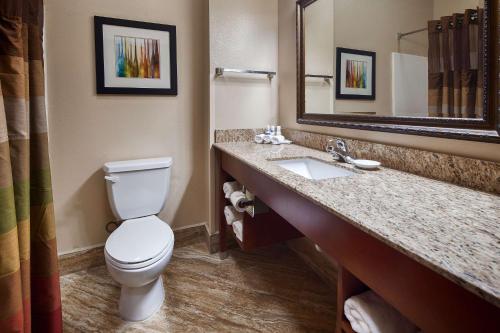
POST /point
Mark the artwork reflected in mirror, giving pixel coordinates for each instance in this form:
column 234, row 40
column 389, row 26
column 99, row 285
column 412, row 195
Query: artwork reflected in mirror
column 428, row 53
column 356, row 74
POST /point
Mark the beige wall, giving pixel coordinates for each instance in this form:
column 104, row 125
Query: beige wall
column 376, row 26
column 319, row 49
column 448, row 7
column 287, row 94
column 87, row 130
column 244, row 35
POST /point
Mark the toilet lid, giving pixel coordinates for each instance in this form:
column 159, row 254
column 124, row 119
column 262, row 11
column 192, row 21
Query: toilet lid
column 139, row 240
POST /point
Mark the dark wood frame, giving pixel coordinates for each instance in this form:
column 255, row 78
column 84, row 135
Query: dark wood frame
column 99, row 21
column 431, row 301
column 486, row 129
column 338, row 94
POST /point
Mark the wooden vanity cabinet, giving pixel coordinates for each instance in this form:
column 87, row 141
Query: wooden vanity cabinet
column 259, row 231
column 428, row 299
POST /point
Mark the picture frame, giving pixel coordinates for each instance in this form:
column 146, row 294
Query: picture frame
column 135, row 58
column 355, row 74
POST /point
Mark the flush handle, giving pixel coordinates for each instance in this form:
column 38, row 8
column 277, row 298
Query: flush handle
column 112, row 179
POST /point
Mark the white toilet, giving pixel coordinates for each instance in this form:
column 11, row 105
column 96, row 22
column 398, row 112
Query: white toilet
column 138, row 251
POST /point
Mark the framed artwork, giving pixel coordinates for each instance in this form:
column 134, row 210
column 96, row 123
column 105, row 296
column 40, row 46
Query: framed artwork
column 135, row 58
column 355, row 74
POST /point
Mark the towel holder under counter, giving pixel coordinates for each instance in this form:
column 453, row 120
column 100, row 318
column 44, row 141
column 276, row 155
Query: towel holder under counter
column 219, row 71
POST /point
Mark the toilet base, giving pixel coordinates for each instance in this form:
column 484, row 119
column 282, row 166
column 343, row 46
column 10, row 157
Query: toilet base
column 140, row 303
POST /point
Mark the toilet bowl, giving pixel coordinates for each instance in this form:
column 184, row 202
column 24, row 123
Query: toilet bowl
column 138, row 251
column 136, row 255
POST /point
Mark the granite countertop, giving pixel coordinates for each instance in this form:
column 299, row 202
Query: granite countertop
column 453, row 230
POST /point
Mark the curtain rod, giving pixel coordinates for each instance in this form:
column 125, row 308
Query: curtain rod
column 401, row 35
column 439, row 27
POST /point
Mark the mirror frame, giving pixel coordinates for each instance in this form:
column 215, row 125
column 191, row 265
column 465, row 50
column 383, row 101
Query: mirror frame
column 486, row 129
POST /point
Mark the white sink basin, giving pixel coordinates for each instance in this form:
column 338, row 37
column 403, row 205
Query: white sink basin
column 314, row 169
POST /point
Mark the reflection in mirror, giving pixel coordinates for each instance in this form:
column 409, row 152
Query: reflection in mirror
column 428, row 58
column 319, row 59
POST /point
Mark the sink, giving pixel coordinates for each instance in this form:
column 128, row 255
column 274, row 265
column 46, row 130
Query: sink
column 313, row 169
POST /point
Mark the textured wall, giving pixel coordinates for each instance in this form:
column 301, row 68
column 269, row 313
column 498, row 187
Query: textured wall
column 244, row 35
column 87, row 130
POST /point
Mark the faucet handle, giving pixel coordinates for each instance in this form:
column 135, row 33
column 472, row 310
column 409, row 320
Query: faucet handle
column 342, row 145
column 330, row 148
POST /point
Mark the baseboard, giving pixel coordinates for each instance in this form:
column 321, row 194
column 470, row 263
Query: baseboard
column 190, row 235
column 85, row 258
column 213, row 241
column 81, row 259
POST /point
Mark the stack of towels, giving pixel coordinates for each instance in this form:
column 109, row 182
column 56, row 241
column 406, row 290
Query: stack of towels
column 234, row 214
column 369, row 313
column 273, row 139
column 272, row 135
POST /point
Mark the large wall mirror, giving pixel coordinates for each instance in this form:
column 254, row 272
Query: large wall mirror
column 423, row 67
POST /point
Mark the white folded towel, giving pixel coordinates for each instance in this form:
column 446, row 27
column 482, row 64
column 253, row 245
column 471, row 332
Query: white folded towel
column 369, row 313
column 237, row 197
column 230, row 187
column 238, row 230
column 276, row 139
column 267, row 138
column 259, row 138
column 279, row 139
column 232, row 215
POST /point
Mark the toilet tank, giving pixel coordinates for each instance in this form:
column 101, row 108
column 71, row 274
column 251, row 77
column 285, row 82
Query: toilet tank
column 137, row 188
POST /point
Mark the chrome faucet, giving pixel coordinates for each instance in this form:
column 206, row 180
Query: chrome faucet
column 339, row 151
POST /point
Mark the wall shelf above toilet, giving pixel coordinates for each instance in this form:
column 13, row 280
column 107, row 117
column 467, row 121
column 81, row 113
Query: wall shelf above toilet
column 220, row 71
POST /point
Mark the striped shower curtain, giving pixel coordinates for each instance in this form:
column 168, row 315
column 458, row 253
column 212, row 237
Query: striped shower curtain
column 455, row 65
column 29, row 278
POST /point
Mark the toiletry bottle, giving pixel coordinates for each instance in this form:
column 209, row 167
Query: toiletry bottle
column 268, row 130
column 278, row 130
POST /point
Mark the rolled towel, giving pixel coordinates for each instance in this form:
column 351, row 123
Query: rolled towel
column 267, row 138
column 237, row 197
column 259, row 138
column 279, row 139
column 368, row 313
column 230, row 187
column 238, row 230
column 232, row 215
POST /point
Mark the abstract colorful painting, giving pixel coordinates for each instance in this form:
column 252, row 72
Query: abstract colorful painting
column 137, row 57
column 355, row 77
column 356, row 74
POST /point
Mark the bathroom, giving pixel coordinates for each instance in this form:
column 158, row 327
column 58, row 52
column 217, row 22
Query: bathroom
column 132, row 131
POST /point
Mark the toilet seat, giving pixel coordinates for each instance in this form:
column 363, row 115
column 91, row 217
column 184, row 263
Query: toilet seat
column 139, row 243
column 139, row 265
